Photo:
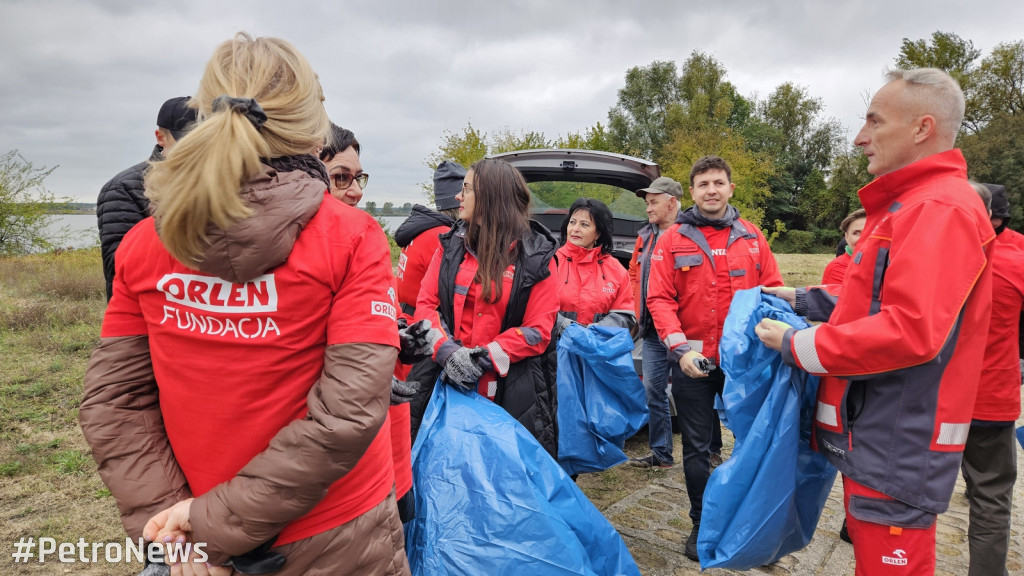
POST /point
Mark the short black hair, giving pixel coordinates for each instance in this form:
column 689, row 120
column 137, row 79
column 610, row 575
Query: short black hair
column 339, row 141
column 709, row 163
column 601, row 216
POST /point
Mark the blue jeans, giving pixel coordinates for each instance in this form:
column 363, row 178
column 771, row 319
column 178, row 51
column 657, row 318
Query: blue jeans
column 655, row 364
column 695, row 404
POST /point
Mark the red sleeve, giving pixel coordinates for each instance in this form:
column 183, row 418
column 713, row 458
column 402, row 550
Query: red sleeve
column 427, row 301
column 634, row 277
column 123, row 316
column 624, row 300
column 661, row 290
column 533, row 336
column 414, row 261
column 925, row 290
column 365, row 304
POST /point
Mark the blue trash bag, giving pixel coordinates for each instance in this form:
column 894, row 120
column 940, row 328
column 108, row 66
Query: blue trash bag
column 490, row 500
column 764, row 502
column 601, row 401
column 1020, row 436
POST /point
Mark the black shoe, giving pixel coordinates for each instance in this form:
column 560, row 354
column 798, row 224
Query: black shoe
column 650, row 461
column 843, row 534
column 691, row 544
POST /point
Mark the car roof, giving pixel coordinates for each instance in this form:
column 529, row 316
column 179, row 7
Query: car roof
column 592, row 166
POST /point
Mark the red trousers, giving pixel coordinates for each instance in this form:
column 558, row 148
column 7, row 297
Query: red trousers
column 882, row 549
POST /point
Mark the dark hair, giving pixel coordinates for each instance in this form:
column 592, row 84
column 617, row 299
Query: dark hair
column 501, row 215
column 601, row 216
column 855, row 215
column 710, row 163
column 339, row 141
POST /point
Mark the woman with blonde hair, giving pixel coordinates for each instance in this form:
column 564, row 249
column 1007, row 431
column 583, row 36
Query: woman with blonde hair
column 239, row 393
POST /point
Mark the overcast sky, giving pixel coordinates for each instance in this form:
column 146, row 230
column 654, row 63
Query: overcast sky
column 81, row 81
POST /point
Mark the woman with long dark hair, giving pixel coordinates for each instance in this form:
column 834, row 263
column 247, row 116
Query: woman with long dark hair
column 492, row 290
column 593, row 287
column 239, row 393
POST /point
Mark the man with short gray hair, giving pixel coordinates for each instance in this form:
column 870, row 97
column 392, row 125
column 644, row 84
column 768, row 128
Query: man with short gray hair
column 900, row 354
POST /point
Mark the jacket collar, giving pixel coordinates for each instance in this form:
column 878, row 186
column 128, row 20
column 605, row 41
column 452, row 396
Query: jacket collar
column 880, row 194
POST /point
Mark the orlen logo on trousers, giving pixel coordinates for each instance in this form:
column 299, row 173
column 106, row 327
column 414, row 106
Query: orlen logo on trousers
column 216, row 295
column 899, row 560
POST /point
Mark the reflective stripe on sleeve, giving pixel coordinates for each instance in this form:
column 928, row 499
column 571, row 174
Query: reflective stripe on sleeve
column 953, row 434
column 674, row 339
column 500, row 358
column 806, row 352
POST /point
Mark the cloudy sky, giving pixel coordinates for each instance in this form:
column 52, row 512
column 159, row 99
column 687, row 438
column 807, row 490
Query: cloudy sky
column 81, row 81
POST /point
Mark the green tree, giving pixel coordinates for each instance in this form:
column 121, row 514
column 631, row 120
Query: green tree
column 371, row 207
column 594, row 138
column 995, row 154
column 24, row 207
column 1001, row 81
column 958, row 57
column 506, row 140
column 788, row 128
column 389, row 209
column 637, row 122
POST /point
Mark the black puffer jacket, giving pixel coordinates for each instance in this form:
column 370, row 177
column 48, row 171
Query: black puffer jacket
column 121, row 205
column 419, row 221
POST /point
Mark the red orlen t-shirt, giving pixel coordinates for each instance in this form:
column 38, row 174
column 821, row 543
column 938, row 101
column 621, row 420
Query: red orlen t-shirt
column 235, row 361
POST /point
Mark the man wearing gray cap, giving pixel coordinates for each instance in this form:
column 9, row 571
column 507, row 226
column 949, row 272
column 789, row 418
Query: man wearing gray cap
column 418, row 235
column 122, row 203
column 662, row 199
column 697, row 266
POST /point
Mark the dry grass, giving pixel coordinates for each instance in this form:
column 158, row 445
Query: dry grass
column 51, row 307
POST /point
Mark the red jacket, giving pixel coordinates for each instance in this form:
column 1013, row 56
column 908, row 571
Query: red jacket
column 901, row 354
column 999, row 390
column 591, row 283
column 683, row 292
column 835, row 271
column 413, row 262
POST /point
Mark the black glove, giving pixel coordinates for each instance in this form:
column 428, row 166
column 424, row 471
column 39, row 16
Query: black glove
column 418, row 341
column 402, row 391
column 462, row 368
column 561, row 323
column 259, row 560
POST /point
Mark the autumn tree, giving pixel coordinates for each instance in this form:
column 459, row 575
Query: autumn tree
column 957, row 57
column 24, row 207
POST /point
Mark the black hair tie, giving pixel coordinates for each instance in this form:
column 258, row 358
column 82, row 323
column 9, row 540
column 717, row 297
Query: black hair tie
column 247, row 106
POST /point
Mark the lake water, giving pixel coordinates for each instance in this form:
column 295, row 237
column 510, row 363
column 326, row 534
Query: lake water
column 80, row 230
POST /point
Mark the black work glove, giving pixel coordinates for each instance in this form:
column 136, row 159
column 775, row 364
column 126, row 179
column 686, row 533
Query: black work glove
column 417, row 341
column 402, row 391
column 462, row 368
column 259, row 560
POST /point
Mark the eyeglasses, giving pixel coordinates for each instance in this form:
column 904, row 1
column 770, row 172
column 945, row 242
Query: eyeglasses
column 466, row 189
column 344, row 180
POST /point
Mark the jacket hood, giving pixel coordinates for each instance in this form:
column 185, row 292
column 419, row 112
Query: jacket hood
column 282, row 204
column 539, row 246
column 419, row 221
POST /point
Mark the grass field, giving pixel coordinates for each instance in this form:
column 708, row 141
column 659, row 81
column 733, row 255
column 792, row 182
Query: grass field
column 51, row 307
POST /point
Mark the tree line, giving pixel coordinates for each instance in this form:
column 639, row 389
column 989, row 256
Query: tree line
column 796, row 173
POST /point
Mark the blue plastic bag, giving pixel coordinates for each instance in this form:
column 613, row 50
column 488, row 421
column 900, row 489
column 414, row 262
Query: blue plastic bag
column 490, row 500
column 764, row 502
column 601, row 401
column 1020, row 436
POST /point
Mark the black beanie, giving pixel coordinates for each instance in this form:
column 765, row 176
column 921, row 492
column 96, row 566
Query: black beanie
column 1000, row 202
column 447, row 184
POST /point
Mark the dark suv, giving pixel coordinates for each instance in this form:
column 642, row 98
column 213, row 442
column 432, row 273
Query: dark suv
column 558, row 177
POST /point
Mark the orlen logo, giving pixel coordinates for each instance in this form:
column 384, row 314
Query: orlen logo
column 216, row 295
column 899, row 560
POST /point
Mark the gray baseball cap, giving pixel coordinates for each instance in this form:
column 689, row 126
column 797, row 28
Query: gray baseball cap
column 662, row 185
